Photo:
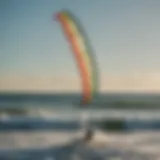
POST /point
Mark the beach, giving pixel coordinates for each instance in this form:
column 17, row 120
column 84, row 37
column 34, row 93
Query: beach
column 138, row 145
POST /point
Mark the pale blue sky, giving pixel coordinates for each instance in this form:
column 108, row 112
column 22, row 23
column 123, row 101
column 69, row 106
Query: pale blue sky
column 125, row 35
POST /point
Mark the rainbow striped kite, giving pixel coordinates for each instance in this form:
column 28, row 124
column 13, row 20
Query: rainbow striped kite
column 83, row 53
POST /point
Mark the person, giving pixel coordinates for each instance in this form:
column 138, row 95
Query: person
column 89, row 134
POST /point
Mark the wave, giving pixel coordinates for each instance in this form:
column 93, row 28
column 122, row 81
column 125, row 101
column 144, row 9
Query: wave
column 126, row 104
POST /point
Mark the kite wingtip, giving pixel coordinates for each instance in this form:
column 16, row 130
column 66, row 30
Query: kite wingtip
column 55, row 16
column 84, row 103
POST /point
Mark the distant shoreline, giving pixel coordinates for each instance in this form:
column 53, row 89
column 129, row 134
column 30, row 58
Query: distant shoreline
column 77, row 93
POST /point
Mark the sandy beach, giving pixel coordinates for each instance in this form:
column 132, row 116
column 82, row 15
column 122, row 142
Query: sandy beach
column 125, row 146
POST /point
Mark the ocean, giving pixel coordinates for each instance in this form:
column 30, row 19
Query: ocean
column 63, row 100
column 28, row 123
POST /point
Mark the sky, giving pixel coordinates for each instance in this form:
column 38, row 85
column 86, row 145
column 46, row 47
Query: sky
column 125, row 35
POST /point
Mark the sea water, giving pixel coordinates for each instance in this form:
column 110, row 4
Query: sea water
column 62, row 113
column 52, row 110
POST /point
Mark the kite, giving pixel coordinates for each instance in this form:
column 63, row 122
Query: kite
column 82, row 52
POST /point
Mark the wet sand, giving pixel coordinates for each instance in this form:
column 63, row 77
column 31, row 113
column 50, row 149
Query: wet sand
column 68, row 146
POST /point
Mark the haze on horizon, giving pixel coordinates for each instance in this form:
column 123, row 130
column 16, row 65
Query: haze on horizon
column 34, row 55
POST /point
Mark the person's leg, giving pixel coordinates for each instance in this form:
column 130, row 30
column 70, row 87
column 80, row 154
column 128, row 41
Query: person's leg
column 89, row 134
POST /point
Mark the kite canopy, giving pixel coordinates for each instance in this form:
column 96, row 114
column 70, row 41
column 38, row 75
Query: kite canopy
column 82, row 51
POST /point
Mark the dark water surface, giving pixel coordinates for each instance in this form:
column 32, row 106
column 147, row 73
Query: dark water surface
column 72, row 100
